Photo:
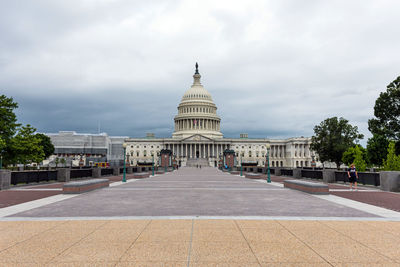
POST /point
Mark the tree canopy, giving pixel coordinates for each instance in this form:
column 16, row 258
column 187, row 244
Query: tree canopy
column 392, row 162
column 45, row 143
column 332, row 138
column 350, row 154
column 8, row 119
column 26, row 146
column 20, row 144
column 386, row 124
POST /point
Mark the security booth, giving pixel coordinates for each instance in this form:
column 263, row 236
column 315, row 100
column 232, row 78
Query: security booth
column 229, row 159
column 166, row 158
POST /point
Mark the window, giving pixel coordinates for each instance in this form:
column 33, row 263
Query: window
column 137, row 153
column 145, row 153
column 137, row 146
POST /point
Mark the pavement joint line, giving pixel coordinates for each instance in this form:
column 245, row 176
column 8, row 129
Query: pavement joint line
column 359, row 242
column 348, row 190
column 134, row 241
column 29, row 238
column 307, row 245
column 190, row 244
column 386, row 213
column 195, row 188
column 50, row 260
column 261, row 218
column 247, row 242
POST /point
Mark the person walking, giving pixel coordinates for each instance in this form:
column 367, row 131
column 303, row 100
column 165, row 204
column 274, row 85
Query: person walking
column 353, row 177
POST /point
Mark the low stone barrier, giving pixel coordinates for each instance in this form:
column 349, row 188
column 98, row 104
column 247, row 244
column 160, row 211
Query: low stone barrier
column 308, row 187
column 235, row 172
column 390, row 181
column 140, row 175
column 79, row 187
column 5, row 179
column 254, row 175
column 160, row 172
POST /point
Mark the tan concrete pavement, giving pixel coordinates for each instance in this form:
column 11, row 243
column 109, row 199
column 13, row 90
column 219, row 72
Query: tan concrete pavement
column 199, row 243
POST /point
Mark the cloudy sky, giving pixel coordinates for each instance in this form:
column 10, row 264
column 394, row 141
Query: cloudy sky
column 274, row 68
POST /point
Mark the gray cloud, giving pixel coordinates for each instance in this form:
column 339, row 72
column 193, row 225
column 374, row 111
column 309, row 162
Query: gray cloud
column 274, row 69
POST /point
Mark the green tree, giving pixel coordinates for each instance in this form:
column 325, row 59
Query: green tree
column 392, row 162
column 350, row 154
column 386, row 123
column 332, row 138
column 57, row 160
column 2, row 147
column 8, row 126
column 26, row 146
column 45, row 143
column 359, row 161
column 377, row 149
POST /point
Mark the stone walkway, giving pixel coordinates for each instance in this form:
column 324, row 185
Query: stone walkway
column 195, row 217
column 199, row 243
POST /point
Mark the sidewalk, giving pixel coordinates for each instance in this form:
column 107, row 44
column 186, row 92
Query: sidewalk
column 22, row 194
column 365, row 194
column 199, row 243
column 197, row 217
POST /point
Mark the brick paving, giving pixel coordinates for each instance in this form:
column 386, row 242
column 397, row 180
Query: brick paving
column 194, row 192
column 11, row 197
column 381, row 199
column 21, row 194
column 196, row 242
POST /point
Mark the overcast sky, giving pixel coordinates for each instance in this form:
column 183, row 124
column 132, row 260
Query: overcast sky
column 274, row 68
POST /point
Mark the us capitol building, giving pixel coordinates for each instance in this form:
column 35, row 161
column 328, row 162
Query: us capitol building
column 197, row 139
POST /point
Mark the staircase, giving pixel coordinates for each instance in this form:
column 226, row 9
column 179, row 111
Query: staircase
column 197, row 162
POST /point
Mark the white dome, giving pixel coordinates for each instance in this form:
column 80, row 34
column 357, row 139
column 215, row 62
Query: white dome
column 197, row 91
column 197, row 113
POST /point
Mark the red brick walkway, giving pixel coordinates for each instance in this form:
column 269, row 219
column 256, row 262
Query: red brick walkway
column 14, row 197
column 28, row 193
column 387, row 200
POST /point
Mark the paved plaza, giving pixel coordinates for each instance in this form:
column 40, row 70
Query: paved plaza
column 197, row 217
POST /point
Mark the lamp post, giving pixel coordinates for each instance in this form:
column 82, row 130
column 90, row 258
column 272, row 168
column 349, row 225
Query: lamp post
column 268, row 146
column 124, row 145
column 152, row 164
column 165, row 162
column 241, row 167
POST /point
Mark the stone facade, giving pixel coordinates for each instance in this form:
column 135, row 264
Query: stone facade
column 197, row 135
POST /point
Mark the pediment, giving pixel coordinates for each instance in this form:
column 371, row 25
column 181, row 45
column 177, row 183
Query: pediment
column 196, row 137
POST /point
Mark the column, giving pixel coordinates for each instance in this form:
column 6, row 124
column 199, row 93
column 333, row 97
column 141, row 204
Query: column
column 204, row 151
column 186, row 148
column 208, row 150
